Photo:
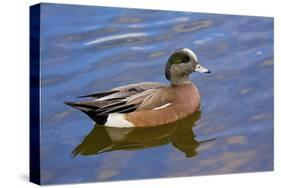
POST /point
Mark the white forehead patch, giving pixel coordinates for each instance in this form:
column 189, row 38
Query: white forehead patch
column 190, row 52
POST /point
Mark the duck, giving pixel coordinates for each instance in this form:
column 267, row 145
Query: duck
column 148, row 104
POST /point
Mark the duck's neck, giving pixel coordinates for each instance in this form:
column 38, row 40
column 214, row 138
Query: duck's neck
column 179, row 80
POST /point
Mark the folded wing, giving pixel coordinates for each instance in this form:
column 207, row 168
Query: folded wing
column 124, row 99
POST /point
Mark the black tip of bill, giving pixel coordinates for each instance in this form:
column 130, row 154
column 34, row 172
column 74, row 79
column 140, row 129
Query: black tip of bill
column 209, row 72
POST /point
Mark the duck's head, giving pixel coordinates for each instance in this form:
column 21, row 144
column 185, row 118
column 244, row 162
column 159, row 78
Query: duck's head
column 182, row 63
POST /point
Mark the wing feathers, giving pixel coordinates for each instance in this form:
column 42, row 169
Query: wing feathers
column 123, row 99
column 118, row 109
column 98, row 95
column 82, row 106
column 110, row 106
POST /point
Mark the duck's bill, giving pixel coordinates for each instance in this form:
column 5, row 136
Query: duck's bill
column 200, row 68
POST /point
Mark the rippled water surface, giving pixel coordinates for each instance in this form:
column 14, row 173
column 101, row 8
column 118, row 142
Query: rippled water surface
column 88, row 49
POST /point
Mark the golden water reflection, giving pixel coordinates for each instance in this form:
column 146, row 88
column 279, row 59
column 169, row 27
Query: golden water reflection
column 105, row 139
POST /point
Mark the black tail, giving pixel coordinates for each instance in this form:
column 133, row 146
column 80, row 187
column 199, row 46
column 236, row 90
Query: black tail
column 90, row 111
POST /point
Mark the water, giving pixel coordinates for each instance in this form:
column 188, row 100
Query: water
column 91, row 49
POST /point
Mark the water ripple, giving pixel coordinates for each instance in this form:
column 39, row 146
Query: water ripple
column 115, row 37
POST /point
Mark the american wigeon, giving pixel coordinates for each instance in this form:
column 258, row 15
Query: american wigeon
column 149, row 103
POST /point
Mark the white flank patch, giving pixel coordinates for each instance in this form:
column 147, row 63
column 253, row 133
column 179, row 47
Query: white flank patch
column 160, row 107
column 117, row 120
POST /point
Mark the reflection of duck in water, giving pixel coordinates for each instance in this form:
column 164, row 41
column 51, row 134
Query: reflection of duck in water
column 148, row 104
column 105, row 139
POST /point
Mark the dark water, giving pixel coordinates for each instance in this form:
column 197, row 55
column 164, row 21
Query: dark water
column 91, row 49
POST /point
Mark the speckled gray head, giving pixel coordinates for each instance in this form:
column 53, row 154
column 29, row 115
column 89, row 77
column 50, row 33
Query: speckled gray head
column 182, row 63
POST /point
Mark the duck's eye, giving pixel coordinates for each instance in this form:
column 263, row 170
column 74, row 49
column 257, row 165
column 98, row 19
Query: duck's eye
column 186, row 59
